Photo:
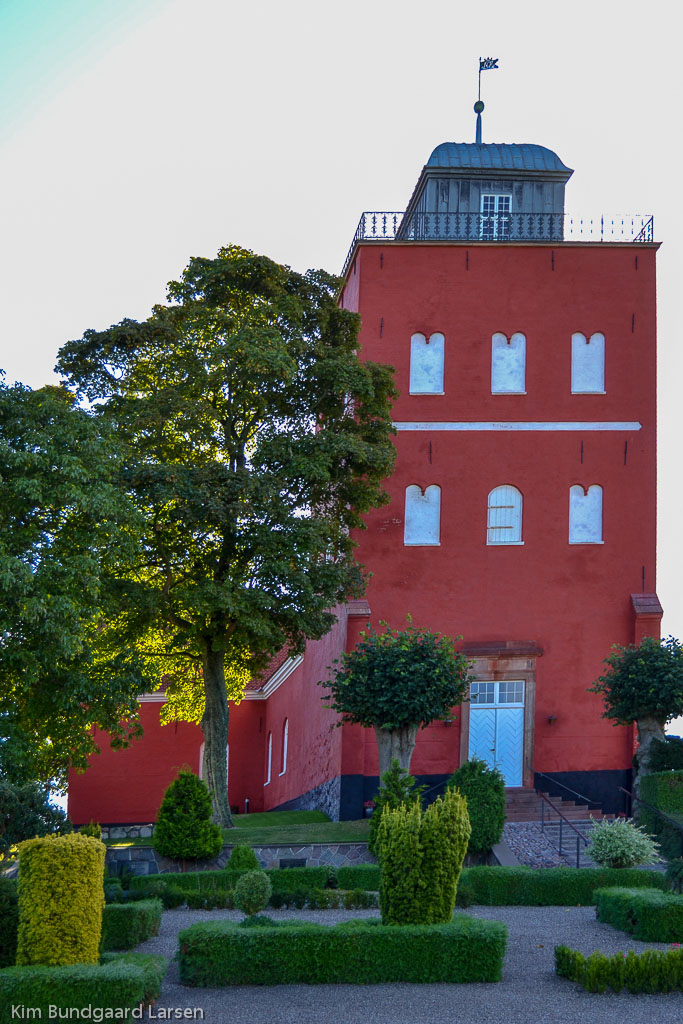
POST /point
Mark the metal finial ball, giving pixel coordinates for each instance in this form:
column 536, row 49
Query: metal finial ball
column 478, row 106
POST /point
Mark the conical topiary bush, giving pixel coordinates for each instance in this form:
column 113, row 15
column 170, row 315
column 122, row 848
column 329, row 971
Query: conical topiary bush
column 184, row 830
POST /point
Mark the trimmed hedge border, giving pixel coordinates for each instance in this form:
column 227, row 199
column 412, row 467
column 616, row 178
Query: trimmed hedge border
column 654, row 970
column 119, row 982
column 219, row 953
column 126, row 925
column 282, row 879
column 650, row 916
column 547, row 887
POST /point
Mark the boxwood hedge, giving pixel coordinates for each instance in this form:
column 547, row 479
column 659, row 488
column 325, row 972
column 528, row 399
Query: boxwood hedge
column 358, row 952
column 119, row 982
column 649, row 915
column 550, row 887
column 655, row 970
column 126, row 925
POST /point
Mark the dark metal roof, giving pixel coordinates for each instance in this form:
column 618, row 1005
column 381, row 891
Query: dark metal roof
column 496, row 156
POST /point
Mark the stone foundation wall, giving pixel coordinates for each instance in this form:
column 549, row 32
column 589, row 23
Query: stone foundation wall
column 144, row 860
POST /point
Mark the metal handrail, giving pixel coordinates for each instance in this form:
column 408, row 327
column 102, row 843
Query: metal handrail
column 581, row 796
column 579, row 835
column 672, row 821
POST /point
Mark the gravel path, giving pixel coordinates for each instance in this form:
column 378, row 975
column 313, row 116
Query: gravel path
column 530, row 993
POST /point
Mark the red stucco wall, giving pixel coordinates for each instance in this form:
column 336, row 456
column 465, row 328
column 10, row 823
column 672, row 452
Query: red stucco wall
column 572, row 600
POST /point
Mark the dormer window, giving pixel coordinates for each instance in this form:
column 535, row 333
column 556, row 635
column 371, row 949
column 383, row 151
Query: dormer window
column 495, row 217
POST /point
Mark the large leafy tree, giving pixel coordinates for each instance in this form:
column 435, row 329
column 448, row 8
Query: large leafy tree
column 643, row 685
column 396, row 682
column 63, row 524
column 256, row 438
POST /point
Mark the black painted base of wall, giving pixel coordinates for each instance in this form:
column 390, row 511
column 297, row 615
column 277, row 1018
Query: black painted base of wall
column 601, row 787
column 356, row 790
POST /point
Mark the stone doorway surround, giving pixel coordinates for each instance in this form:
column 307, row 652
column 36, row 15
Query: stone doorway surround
column 497, row 660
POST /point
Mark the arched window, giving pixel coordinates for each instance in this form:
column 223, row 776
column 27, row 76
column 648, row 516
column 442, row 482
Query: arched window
column 423, row 515
column 504, row 516
column 508, row 364
column 285, row 739
column 426, row 364
column 585, row 514
column 269, row 758
column 588, row 364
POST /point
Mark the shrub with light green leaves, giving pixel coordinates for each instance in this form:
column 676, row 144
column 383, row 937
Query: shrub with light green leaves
column 252, row 892
column 621, row 844
column 397, row 787
column 421, row 859
column 242, row 858
column 61, row 898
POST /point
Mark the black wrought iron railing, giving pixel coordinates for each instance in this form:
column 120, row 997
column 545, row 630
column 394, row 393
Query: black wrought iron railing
column 398, row 226
column 564, row 822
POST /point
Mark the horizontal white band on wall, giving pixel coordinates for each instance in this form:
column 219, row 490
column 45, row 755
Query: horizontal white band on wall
column 563, row 425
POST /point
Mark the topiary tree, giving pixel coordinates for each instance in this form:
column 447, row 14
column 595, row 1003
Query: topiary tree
column 421, row 859
column 396, row 682
column 396, row 788
column 621, row 844
column 184, row 830
column 252, row 892
column 484, row 789
column 643, row 684
column 243, row 858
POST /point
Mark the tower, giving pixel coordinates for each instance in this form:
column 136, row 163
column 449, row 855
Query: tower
column 522, row 511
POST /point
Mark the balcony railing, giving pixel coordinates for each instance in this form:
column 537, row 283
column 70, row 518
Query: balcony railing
column 499, row 227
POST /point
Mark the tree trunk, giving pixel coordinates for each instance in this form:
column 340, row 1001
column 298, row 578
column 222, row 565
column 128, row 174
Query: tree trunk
column 215, row 730
column 395, row 743
column 649, row 729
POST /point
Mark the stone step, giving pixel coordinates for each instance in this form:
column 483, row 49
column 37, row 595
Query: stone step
column 526, row 805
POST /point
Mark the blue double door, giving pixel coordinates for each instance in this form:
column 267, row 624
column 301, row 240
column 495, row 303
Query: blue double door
column 497, row 727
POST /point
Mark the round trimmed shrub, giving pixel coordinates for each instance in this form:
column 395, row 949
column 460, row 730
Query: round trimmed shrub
column 484, row 789
column 243, row 858
column 252, row 892
column 184, row 830
column 621, row 844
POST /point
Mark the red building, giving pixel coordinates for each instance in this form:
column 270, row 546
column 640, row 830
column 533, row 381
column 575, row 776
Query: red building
column 522, row 512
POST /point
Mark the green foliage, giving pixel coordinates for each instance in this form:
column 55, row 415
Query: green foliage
column 551, row 887
column 664, row 790
column 396, row 787
column 63, row 525
column 126, row 925
column 398, row 678
column 242, row 858
column 421, row 859
column 121, row 982
column 621, row 844
column 252, row 892
column 255, row 440
column 93, row 829
column 674, row 873
column 484, row 789
column 282, row 879
column 61, row 898
column 184, row 830
column 222, row 953
column 652, row 971
column 643, row 682
column 9, row 921
column 650, row 915
column 667, row 754
column 26, row 812
column 359, row 876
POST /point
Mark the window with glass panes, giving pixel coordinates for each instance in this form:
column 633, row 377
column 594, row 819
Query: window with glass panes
column 495, row 217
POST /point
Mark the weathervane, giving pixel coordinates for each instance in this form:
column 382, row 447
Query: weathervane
column 485, row 64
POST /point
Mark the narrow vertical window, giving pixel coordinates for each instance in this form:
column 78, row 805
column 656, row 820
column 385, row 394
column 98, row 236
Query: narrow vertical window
column 495, row 217
column 588, row 364
column 423, row 515
column 426, row 364
column 269, row 758
column 508, row 364
column 504, row 516
column 285, row 740
column 585, row 514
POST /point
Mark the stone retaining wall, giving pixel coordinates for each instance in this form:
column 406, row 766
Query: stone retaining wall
column 144, row 860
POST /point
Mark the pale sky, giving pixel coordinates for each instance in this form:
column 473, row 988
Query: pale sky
column 135, row 134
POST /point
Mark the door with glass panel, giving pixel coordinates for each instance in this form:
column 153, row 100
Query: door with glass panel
column 497, row 727
column 495, row 218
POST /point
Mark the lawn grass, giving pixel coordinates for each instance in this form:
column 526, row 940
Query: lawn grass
column 282, row 828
